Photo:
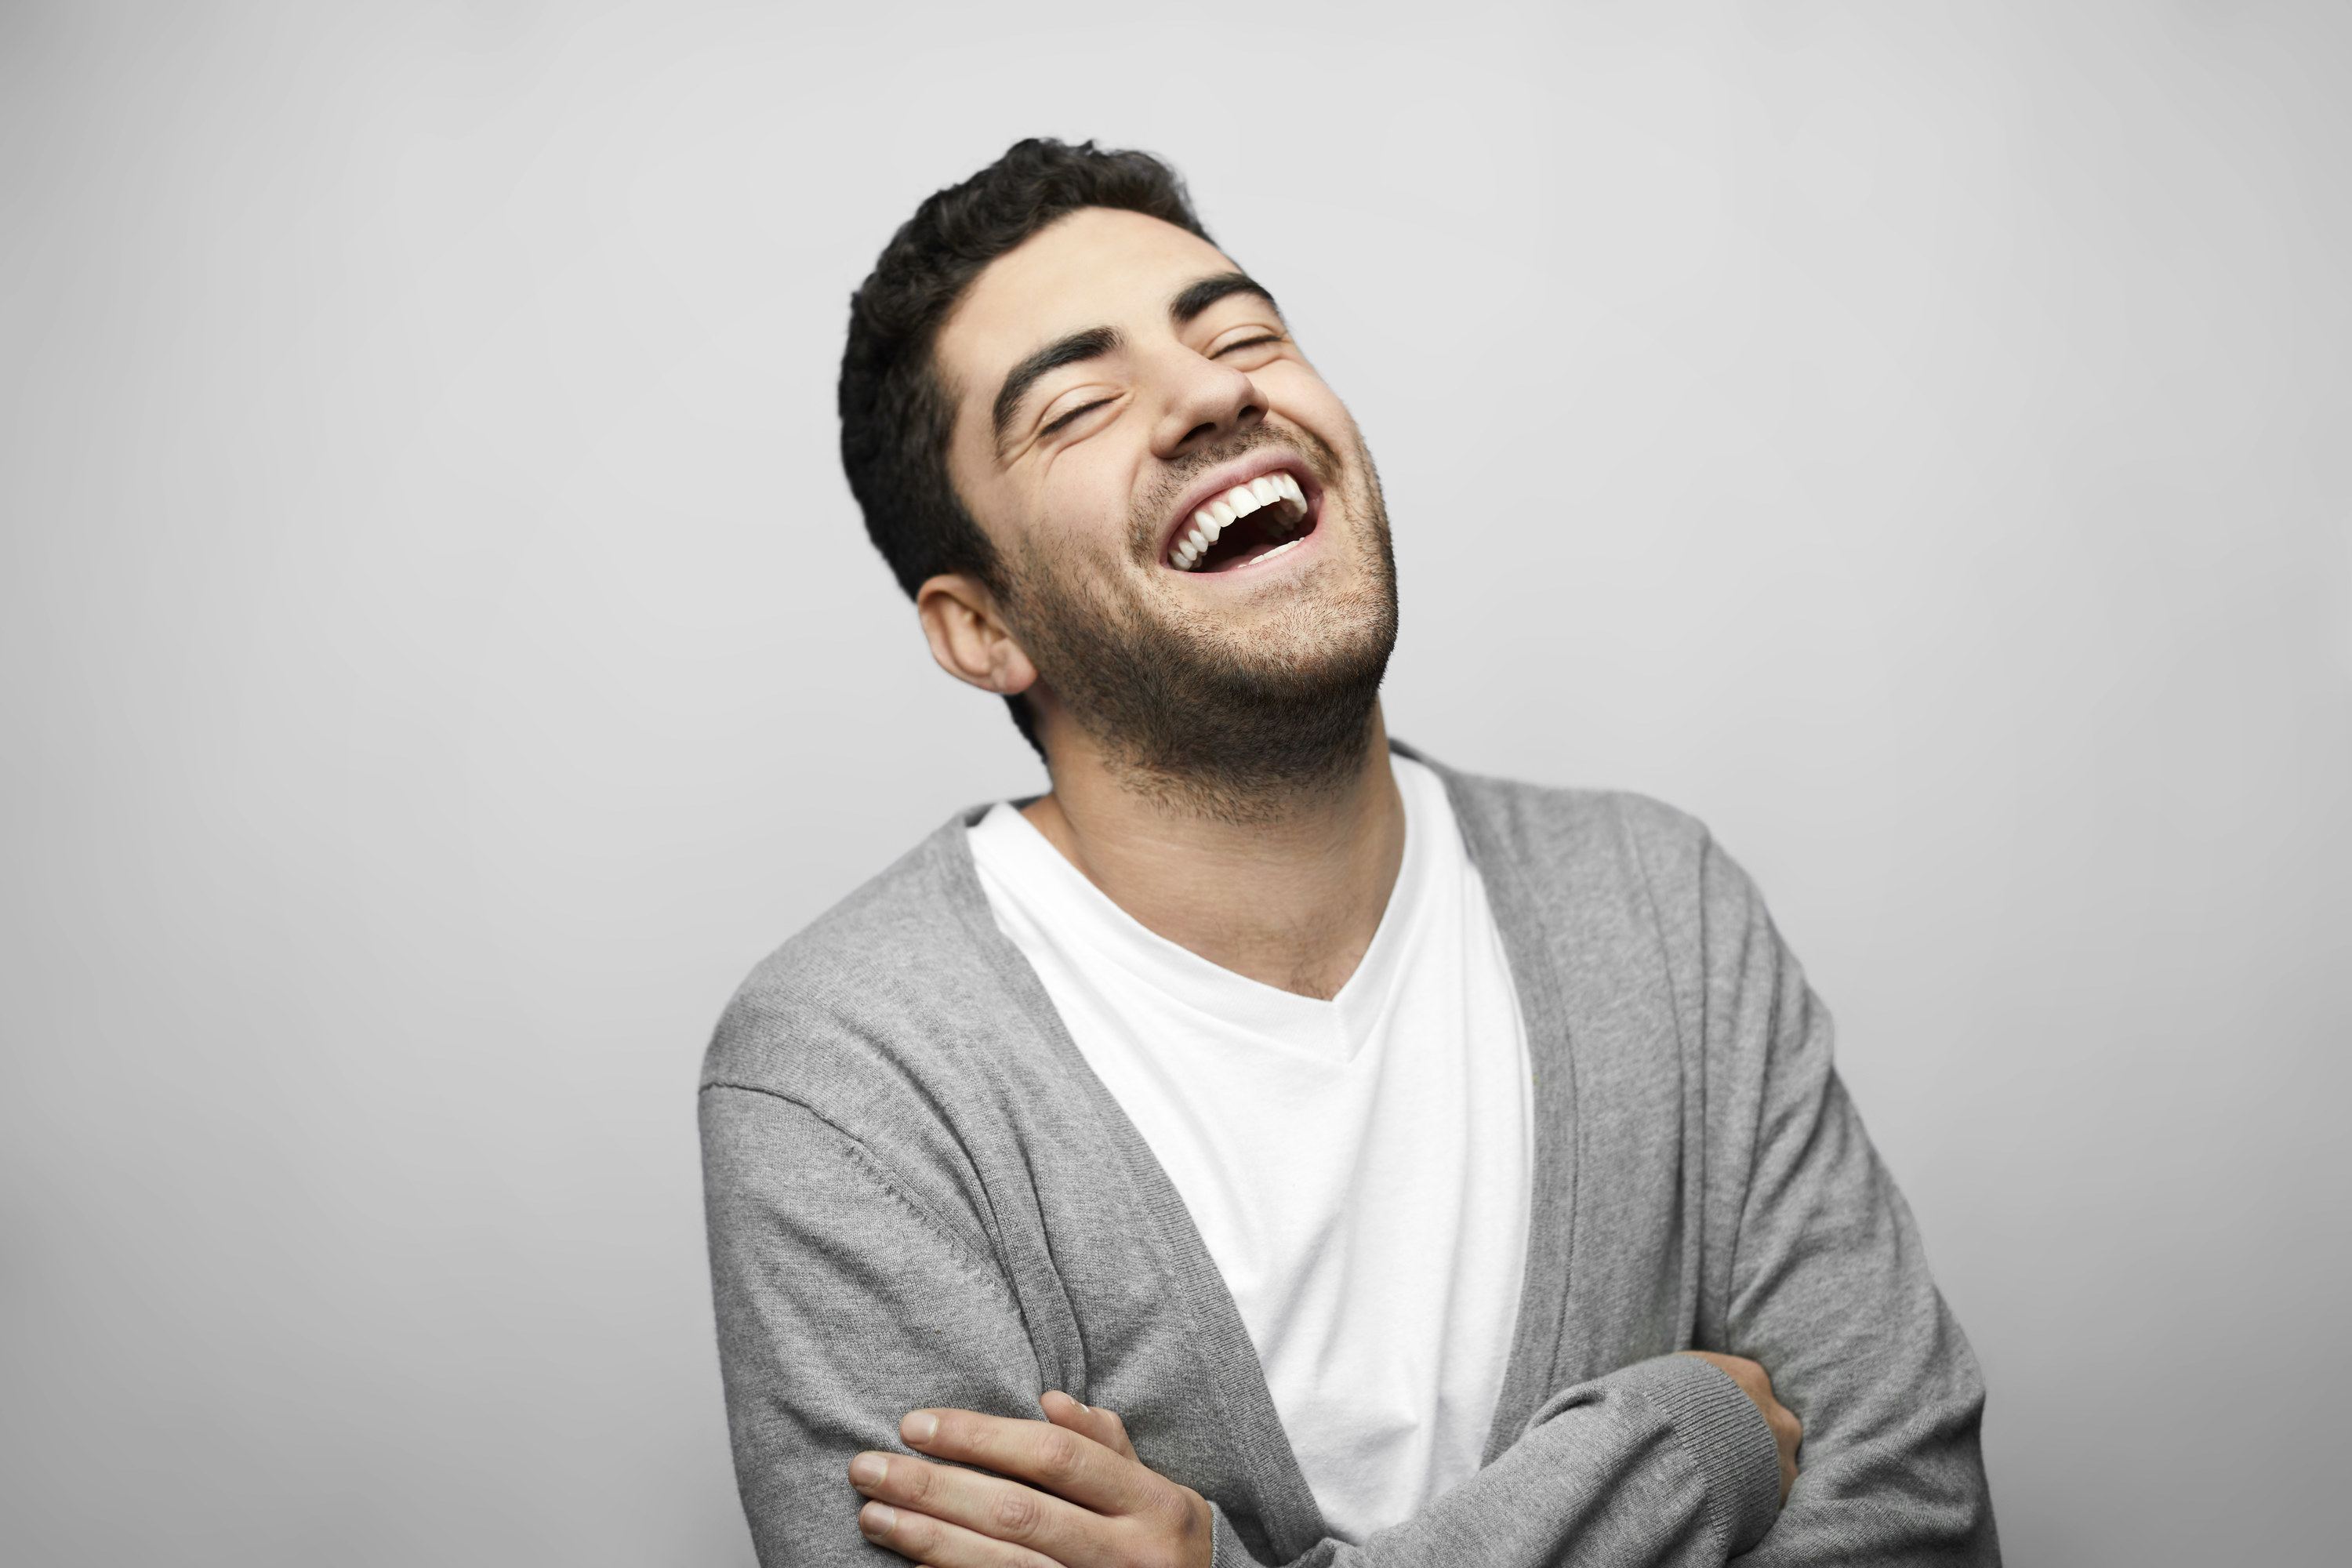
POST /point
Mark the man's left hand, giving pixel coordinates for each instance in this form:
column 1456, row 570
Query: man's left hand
column 1089, row 1501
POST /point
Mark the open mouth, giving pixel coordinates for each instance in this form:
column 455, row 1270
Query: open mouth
column 1243, row 525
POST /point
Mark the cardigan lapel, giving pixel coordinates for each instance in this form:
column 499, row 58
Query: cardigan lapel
column 1247, row 1420
column 1533, row 1371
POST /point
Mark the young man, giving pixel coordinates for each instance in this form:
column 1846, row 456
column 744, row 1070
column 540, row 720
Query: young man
column 1426, row 1169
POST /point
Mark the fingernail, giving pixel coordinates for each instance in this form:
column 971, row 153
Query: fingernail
column 920, row 1427
column 877, row 1519
column 868, row 1470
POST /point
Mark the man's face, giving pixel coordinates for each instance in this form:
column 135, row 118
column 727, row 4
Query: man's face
column 1116, row 381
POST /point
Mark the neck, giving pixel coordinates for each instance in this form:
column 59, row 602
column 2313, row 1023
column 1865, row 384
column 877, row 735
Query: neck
column 1290, row 898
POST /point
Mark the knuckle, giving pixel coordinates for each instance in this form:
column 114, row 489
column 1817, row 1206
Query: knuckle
column 1180, row 1520
column 1059, row 1457
column 1016, row 1514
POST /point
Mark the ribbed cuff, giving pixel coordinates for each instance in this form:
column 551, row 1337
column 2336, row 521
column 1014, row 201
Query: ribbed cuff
column 1720, row 1427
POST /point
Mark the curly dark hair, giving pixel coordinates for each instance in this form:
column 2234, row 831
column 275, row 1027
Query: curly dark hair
column 896, row 416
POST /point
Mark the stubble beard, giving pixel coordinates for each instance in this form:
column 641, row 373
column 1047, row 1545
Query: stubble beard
column 1239, row 725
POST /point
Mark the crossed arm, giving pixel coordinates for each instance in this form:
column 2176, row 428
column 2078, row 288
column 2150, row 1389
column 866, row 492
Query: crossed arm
column 847, row 1316
column 1069, row 1491
column 834, row 1356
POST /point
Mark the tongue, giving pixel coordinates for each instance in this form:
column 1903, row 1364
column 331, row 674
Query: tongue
column 1250, row 550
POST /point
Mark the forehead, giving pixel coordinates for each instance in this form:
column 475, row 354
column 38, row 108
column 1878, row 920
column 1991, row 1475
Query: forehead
column 1095, row 268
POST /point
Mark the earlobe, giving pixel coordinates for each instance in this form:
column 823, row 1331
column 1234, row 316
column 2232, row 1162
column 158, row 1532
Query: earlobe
column 1015, row 673
column 968, row 637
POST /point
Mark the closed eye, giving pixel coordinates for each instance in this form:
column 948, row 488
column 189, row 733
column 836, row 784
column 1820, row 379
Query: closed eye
column 1073, row 414
column 1247, row 343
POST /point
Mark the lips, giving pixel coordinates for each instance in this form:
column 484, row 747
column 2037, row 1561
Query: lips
column 1242, row 522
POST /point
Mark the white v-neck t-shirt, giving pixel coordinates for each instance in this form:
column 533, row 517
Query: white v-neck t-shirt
column 1360, row 1168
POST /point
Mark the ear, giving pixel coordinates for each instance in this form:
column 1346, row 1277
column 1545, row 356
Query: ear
column 969, row 636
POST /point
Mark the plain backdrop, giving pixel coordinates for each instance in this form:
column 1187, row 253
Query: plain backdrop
column 438, row 656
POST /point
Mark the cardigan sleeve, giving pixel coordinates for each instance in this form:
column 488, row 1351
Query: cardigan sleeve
column 1828, row 1284
column 844, row 1300
column 1664, row 1463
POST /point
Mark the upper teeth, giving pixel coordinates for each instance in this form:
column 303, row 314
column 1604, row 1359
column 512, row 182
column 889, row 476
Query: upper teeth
column 1239, row 502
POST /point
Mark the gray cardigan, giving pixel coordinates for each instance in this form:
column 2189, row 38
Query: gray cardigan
column 920, row 1195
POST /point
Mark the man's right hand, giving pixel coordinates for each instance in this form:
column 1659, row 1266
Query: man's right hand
column 1757, row 1383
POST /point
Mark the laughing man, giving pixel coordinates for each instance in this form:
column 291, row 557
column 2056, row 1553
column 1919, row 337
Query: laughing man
column 1271, row 1145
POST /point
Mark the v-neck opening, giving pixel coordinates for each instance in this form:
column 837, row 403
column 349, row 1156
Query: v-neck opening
column 1210, row 987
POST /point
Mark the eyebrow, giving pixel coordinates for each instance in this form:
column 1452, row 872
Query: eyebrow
column 1200, row 296
column 1096, row 341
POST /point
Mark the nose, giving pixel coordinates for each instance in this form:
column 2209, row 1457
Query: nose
column 1200, row 401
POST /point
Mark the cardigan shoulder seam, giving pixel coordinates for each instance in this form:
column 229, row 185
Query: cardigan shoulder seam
column 879, row 1171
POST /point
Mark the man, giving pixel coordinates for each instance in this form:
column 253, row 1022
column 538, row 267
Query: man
column 1425, row 1169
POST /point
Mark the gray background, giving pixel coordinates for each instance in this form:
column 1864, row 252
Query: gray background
column 438, row 656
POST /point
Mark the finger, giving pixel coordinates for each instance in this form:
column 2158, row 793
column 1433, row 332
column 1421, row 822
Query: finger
column 1059, row 1460
column 1087, row 1421
column 1114, row 1436
column 990, row 1506
column 936, row 1543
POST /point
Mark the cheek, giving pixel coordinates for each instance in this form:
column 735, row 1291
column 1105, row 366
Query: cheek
column 1084, row 501
column 1297, row 394
column 999, row 509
